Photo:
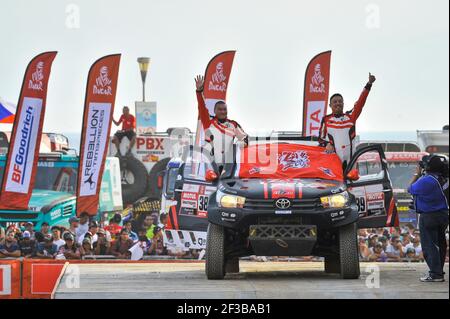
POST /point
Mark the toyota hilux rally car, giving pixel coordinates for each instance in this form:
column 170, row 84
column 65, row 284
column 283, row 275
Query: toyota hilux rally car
column 281, row 198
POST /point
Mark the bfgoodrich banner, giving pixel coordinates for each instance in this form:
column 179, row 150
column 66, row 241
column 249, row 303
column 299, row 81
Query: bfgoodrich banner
column 98, row 110
column 21, row 164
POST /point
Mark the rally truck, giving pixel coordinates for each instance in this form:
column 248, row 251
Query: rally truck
column 149, row 157
column 53, row 197
column 291, row 198
column 403, row 159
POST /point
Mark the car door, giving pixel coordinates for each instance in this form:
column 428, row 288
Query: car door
column 373, row 189
column 192, row 190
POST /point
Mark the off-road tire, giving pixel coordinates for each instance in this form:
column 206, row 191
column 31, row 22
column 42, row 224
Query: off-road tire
column 215, row 252
column 348, row 252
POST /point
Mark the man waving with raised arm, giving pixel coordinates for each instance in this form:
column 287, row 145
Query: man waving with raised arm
column 220, row 131
column 338, row 129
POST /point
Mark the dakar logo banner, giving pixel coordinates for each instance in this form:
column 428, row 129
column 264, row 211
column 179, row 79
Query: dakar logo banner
column 102, row 84
column 293, row 160
column 317, row 84
column 98, row 111
column 36, row 78
column 315, row 94
column 21, row 163
column 217, row 76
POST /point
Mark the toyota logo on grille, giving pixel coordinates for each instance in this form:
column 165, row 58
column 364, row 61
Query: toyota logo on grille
column 283, row 203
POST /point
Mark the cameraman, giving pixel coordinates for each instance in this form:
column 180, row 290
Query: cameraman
column 428, row 187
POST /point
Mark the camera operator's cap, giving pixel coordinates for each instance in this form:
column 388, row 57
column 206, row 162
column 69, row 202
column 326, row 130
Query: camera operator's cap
column 68, row 236
column 26, row 234
column 74, row 220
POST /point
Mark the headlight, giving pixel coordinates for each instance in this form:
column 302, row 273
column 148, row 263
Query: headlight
column 335, row 201
column 229, row 201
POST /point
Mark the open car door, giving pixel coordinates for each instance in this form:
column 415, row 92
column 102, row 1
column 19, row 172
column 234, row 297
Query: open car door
column 193, row 188
column 373, row 189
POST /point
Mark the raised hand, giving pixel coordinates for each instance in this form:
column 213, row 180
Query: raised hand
column 199, row 82
column 372, row 78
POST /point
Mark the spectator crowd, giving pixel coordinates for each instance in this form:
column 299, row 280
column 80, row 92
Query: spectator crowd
column 86, row 237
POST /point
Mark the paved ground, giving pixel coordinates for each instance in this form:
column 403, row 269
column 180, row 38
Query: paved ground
column 256, row 280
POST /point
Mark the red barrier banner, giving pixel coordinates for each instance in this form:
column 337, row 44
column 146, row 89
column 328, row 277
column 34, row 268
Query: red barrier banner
column 98, row 111
column 40, row 276
column 315, row 95
column 21, row 163
column 10, row 279
column 217, row 75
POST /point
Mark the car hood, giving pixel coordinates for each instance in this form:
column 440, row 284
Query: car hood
column 277, row 188
column 41, row 198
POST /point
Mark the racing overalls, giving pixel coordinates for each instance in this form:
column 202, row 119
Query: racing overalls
column 340, row 130
column 219, row 135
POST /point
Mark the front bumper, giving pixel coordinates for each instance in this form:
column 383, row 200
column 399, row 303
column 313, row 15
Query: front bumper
column 242, row 218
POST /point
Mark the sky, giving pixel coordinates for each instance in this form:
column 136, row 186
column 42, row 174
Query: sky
column 404, row 43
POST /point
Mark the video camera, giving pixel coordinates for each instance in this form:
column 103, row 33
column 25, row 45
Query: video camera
column 435, row 162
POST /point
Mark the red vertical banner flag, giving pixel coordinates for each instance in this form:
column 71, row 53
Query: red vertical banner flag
column 217, row 75
column 23, row 154
column 315, row 95
column 98, row 111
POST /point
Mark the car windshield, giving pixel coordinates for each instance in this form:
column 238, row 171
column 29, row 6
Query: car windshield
column 287, row 161
column 401, row 173
column 55, row 176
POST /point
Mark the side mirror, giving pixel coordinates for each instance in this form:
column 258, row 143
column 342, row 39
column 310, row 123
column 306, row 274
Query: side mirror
column 353, row 175
column 211, row 176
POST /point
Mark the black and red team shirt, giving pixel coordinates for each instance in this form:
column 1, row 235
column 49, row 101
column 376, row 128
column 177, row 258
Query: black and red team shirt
column 340, row 130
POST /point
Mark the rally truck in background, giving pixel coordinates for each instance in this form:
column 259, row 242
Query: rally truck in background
column 434, row 141
column 53, row 197
column 150, row 155
column 403, row 159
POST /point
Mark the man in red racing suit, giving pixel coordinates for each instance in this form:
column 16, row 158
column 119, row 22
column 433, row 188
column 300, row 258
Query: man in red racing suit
column 220, row 131
column 338, row 129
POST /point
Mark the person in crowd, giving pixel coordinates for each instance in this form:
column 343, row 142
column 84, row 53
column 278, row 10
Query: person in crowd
column 395, row 251
column 114, row 227
column 149, row 224
column 44, row 231
column 74, row 223
column 120, row 247
column 429, row 187
column 338, row 129
column 9, row 248
column 102, row 246
column 27, row 245
column 406, row 238
column 56, row 234
column 29, row 226
column 373, row 239
column 83, row 226
column 86, row 247
column 415, row 244
column 91, row 233
column 2, row 233
column 377, row 253
column 410, row 255
column 145, row 242
column 164, row 220
column 384, row 242
column 47, row 249
column 364, row 251
column 128, row 126
column 70, row 250
column 128, row 225
column 157, row 247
